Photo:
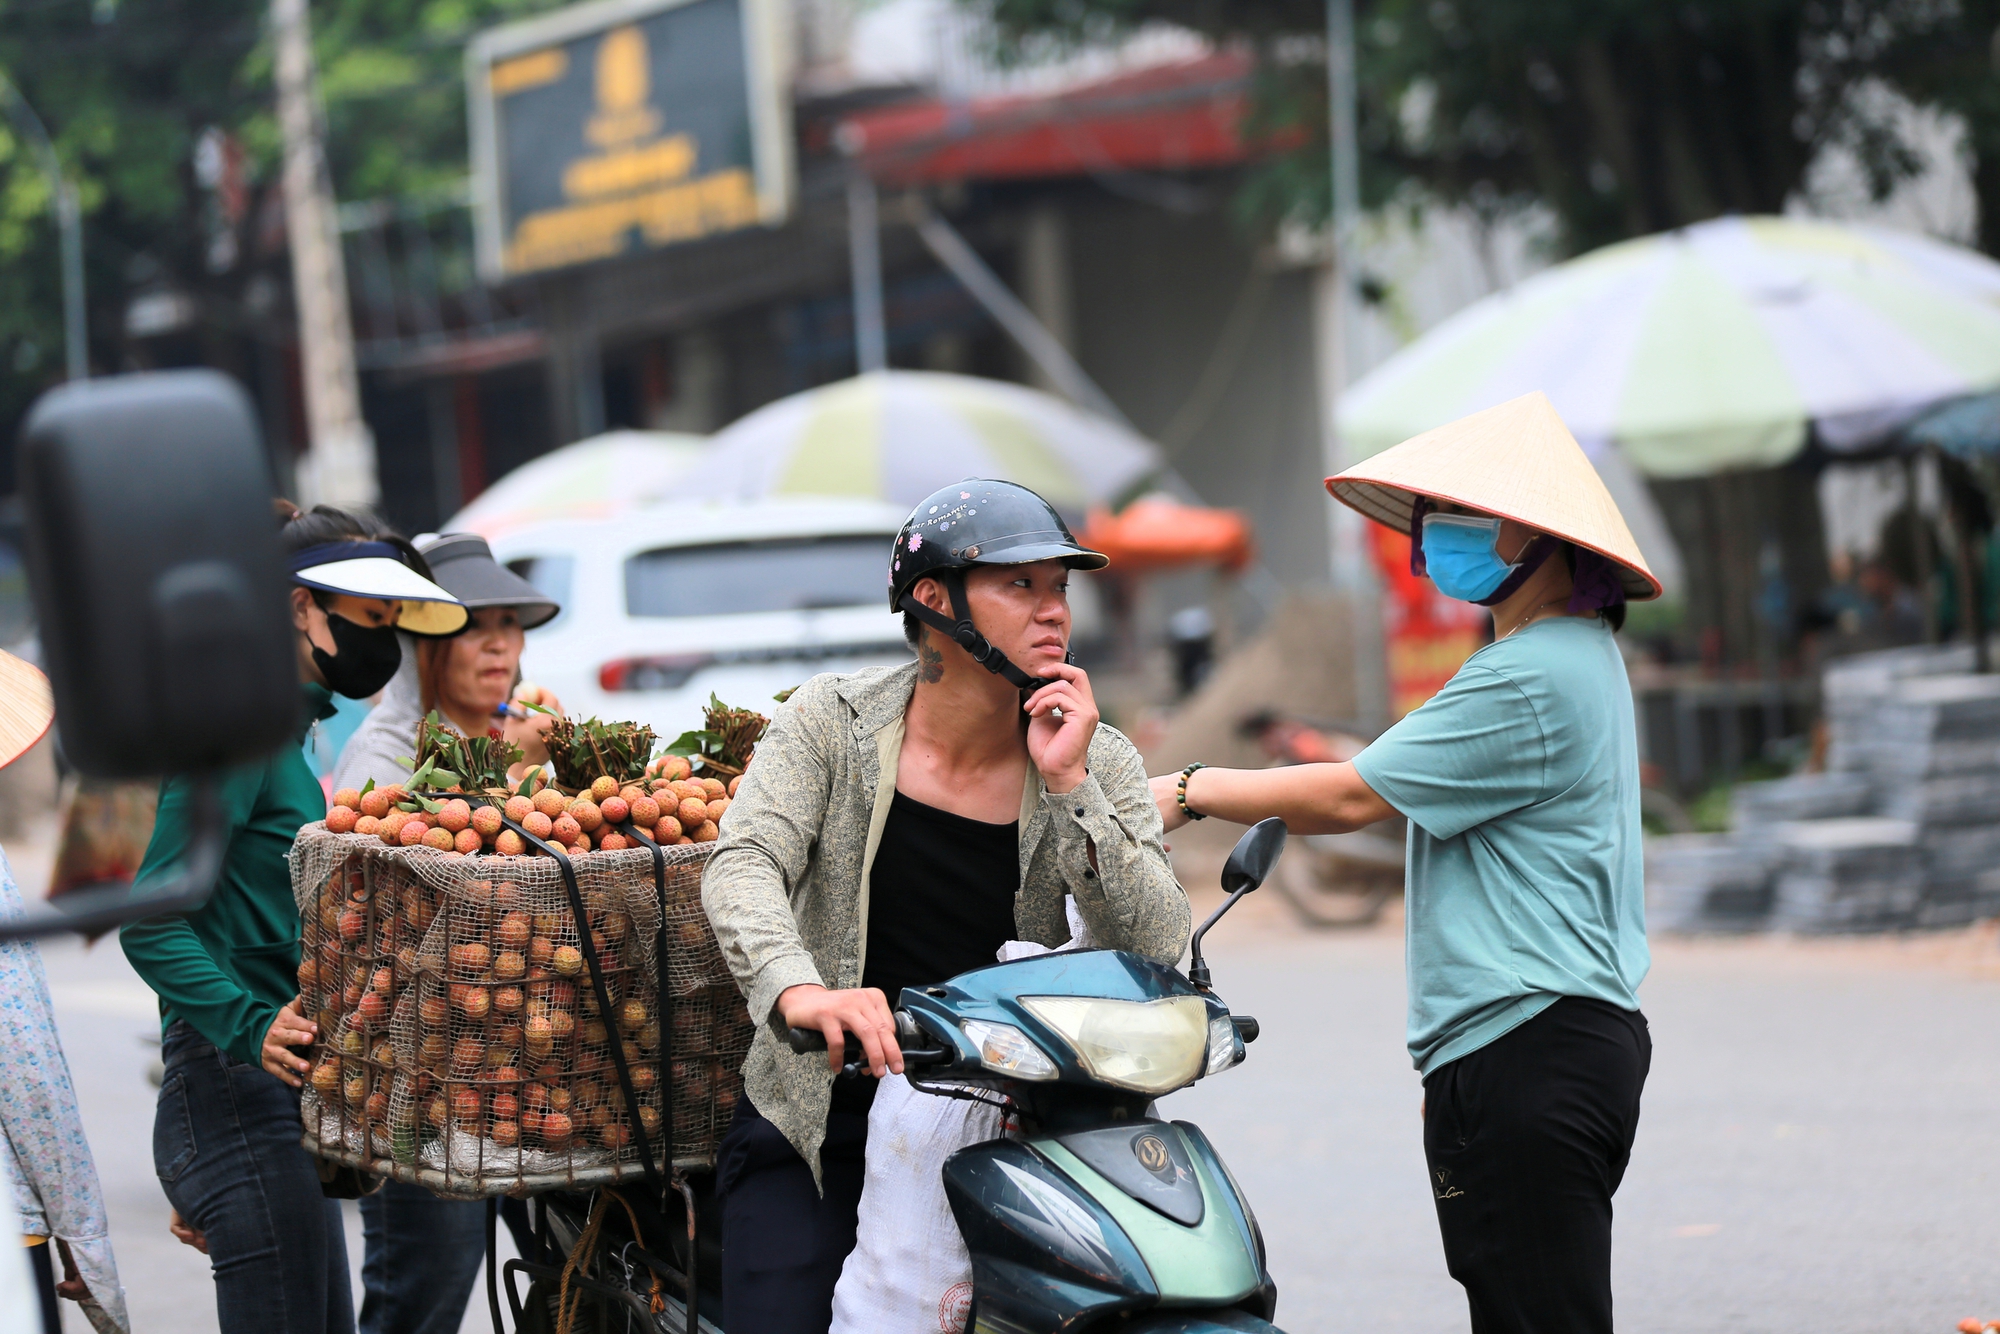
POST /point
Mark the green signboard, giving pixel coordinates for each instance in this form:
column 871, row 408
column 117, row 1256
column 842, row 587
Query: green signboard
column 624, row 125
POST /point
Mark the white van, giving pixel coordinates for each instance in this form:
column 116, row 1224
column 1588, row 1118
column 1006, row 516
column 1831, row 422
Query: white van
column 663, row 606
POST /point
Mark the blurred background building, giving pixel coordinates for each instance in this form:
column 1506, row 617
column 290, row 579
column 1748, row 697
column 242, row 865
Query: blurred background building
column 1148, row 182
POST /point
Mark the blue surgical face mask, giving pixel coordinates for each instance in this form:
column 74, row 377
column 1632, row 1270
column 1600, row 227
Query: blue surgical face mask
column 1460, row 557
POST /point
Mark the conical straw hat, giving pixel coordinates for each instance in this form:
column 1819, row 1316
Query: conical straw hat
column 1516, row 460
column 26, row 707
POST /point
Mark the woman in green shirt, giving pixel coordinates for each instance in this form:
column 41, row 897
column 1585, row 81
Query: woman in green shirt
column 226, row 1132
column 1525, row 918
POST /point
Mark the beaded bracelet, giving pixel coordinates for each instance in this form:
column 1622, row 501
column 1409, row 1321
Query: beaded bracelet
column 1180, row 791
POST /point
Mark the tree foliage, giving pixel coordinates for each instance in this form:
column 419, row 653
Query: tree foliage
column 130, row 89
column 1622, row 116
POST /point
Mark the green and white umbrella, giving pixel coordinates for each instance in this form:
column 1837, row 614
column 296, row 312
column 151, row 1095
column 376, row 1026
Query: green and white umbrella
column 900, row 435
column 1713, row 347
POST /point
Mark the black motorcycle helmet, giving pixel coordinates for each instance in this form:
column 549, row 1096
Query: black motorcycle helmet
column 978, row 522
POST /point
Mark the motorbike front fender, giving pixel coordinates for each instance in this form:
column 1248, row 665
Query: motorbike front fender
column 1197, row 1322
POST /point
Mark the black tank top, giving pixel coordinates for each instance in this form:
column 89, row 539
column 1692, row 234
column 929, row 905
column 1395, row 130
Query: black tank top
column 940, row 896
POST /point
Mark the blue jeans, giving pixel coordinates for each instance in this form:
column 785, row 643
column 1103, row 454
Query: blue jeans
column 421, row 1258
column 226, row 1147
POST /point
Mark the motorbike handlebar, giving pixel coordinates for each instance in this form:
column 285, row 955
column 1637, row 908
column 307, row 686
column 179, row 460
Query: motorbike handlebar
column 804, row 1040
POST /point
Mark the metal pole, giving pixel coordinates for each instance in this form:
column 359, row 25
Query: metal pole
column 1343, row 110
column 69, row 228
column 339, row 467
column 76, row 346
column 864, row 251
column 1353, row 572
column 1344, row 174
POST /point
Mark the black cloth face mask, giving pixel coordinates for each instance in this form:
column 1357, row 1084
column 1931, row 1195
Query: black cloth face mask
column 363, row 660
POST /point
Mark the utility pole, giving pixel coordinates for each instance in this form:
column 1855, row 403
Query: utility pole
column 339, row 466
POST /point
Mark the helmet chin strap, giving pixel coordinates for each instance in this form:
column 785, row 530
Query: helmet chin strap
column 963, row 633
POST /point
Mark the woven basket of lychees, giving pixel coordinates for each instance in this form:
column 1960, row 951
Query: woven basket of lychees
column 515, row 984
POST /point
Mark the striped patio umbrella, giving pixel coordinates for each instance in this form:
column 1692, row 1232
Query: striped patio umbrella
column 1713, row 347
column 900, row 435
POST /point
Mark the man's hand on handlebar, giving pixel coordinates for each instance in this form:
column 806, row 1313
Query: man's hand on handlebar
column 862, row 1011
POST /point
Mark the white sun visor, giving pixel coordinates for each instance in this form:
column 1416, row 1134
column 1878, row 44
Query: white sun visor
column 372, row 570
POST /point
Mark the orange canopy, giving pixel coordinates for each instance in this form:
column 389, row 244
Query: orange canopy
column 1155, row 532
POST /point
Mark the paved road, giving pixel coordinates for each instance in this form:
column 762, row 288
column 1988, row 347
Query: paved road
column 1818, row 1150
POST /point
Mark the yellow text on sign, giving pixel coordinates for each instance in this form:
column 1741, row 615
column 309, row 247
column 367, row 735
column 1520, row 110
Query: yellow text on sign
column 658, row 164
column 724, row 201
column 529, row 71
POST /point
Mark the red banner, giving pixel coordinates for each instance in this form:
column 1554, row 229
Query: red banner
column 1429, row 636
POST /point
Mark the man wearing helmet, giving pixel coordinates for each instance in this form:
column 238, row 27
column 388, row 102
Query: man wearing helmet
column 898, row 826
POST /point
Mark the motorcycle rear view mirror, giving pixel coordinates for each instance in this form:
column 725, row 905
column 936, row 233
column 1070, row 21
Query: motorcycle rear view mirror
column 1250, row 862
column 161, row 598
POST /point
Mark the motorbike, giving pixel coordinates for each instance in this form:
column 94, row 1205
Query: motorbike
column 1093, row 1212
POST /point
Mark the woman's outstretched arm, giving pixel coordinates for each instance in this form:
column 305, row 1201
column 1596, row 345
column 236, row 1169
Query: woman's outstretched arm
column 1310, row 798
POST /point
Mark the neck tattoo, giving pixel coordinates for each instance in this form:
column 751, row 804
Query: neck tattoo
column 930, row 662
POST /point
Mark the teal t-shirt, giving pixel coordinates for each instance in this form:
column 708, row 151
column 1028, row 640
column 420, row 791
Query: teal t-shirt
column 1526, row 874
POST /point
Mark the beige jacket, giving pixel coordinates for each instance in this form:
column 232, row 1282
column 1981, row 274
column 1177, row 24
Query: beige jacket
column 787, row 888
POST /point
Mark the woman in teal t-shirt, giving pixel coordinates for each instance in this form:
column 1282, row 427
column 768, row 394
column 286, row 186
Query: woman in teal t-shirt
column 1525, row 906
column 226, row 1132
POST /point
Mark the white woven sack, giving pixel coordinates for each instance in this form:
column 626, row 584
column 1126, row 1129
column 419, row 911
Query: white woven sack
column 909, row 1271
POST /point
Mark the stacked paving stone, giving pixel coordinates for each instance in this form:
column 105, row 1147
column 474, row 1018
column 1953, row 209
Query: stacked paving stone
column 1903, row 830
column 1704, row 883
column 1932, row 748
column 1862, row 873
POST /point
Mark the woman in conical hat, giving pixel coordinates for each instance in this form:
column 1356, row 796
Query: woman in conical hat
column 1525, row 918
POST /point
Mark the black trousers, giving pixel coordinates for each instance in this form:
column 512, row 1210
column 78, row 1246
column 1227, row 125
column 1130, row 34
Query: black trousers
column 1527, row 1139
column 783, row 1242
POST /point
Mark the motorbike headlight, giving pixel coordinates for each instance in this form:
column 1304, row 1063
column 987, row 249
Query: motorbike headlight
column 1006, row 1050
column 1149, row 1046
column 1224, row 1047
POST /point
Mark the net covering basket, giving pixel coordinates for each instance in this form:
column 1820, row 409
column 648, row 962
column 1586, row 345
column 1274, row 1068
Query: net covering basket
column 462, row 1044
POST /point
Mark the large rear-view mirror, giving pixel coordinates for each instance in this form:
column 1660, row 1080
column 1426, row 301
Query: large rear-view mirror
column 161, row 597
column 153, row 558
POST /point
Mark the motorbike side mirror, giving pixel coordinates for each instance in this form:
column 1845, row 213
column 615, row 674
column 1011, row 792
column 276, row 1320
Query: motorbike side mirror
column 162, row 601
column 153, row 557
column 1250, row 861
